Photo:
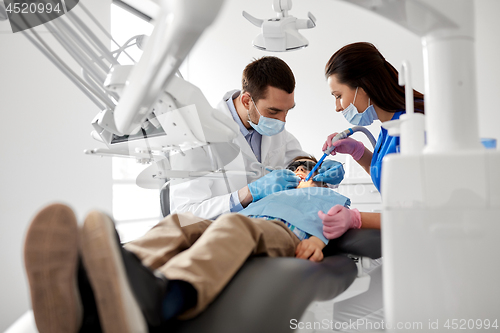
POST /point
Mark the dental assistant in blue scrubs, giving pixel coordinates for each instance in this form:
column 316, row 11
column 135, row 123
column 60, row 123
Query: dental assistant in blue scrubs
column 365, row 87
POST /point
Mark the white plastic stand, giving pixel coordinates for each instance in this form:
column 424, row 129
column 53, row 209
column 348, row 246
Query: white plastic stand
column 441, row 205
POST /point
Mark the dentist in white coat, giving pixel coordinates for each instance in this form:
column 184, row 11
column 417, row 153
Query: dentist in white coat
column 260, row 110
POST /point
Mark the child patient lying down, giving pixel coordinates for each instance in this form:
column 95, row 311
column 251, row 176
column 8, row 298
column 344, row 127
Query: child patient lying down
column 298, row 208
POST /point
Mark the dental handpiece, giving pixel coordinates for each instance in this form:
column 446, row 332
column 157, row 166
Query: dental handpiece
column 326, row 153
column 339, row 136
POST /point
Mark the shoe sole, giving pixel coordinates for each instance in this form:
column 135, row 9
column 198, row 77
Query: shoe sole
column 118, row 310
column 51, row 259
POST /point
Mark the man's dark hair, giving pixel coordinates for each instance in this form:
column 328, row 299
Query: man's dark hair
column 264, row 72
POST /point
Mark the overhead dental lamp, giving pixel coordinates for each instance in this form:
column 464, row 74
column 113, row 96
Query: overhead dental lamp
column 281, row 34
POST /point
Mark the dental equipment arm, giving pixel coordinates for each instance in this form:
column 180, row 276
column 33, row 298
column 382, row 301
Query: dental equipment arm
column 159, row 112
column 148, row 111
column 179, row 26
column 342, row 135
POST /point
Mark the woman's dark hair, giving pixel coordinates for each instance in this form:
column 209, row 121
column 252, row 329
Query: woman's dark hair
column 264, row 72
column 362, row 65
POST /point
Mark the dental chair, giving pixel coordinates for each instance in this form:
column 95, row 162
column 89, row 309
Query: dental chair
column 267, row 293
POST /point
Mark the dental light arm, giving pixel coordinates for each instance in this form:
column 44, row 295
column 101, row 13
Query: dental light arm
column 85, row 47
column 147, row 111
column 179, row 25
column 161, row 115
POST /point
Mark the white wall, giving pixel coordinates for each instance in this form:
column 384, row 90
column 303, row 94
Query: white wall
column 46, row 127
column 216, row 63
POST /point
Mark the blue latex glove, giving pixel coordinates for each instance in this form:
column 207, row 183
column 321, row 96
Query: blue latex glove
column 331, row 172
column 278, row 180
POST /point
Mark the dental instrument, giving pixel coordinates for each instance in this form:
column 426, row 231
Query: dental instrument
column 342, row 135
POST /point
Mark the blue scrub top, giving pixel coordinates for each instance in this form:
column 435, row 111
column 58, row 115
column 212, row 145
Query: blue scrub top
column 386, row 144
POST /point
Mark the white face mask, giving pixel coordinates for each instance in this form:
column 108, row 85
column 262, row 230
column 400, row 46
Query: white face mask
column 266, row 126
column 352, row 115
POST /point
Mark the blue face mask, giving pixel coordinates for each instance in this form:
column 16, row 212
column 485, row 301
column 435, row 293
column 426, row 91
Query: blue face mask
column 266, row 126
column 352, row 115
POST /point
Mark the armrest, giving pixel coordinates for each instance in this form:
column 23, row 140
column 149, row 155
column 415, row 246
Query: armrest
column 358, row 242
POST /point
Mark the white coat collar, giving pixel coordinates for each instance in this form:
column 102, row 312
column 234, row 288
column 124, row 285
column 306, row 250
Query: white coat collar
column 240, row 139
column 242, row 142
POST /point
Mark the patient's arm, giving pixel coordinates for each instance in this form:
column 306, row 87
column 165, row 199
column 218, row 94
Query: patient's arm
column 311, row 249
column 370, row 220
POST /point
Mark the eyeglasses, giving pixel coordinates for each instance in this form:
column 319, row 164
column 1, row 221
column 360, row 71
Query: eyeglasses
column 308, row 165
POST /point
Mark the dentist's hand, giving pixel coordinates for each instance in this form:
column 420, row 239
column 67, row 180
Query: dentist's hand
column 331, row 172
column 278, row 180
column 338, row 220
column 345, row 146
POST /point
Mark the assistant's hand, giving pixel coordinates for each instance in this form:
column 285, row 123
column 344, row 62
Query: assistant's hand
column 278, row 180
column 331, row 172
column 311, row 249
column 345, row 146
column 338, row 220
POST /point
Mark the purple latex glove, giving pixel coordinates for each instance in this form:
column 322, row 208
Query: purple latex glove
column 345, row 146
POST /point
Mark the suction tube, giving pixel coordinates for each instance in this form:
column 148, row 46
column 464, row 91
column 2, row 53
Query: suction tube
column 350, row 131
column 342, row 135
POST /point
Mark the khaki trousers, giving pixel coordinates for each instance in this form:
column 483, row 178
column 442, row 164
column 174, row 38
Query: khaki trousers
column 207, row 253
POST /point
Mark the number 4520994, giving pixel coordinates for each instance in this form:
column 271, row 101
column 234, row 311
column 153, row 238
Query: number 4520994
column 32, row 8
